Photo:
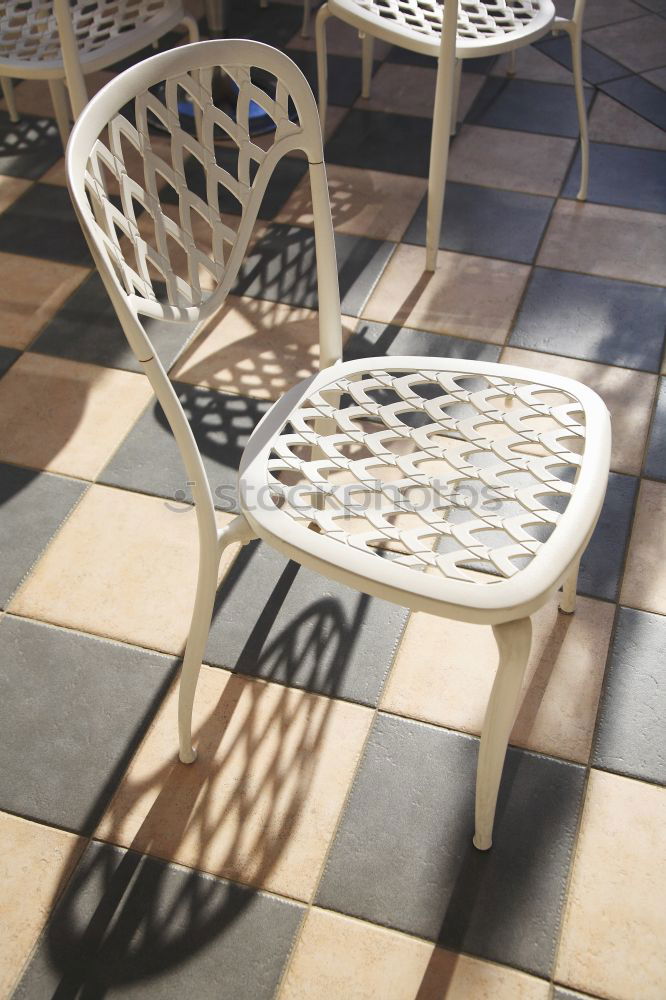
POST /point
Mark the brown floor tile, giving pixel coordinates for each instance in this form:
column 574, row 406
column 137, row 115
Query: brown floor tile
column 410, row 90
column 466, row 296
column 346, row 959
column 341, row 40
column 627, row 394
column 639, row 44
column 533, row 65
column 261, row 803
column 518, row 161
column 603, row 240
column 613, row 934
column 644, row 583
column 363, row 202
column 610, row 121
column 123, row 566
column 444, row 671
column 35, row 862
column 66, row 416
column 32, row 292
column 11, row 188
column 255, row 348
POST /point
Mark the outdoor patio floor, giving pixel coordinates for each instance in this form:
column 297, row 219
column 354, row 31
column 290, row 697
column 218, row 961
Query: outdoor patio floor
column 321, row 844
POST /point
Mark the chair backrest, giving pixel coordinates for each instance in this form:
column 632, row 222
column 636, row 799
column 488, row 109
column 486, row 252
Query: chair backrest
column 146, row 169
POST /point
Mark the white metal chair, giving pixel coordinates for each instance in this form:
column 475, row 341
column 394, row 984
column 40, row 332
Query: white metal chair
column 452, row 31
column 61, row 40
column 462, row 488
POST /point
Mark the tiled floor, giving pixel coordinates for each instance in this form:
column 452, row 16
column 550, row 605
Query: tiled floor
column 321, row 844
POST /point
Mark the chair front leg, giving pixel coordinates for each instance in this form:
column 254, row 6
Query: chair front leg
column 441, row 127
column 568, row 597
column 367, row 55
column 10, row 99
column 305, row 27
column 513, row 640
column 60, row 103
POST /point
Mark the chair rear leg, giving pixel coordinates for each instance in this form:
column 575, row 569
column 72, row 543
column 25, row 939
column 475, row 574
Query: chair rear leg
column 514, row 641
column 573, row 29
column 323, row 15
column 60, row 103
column 367, row 55
column 10, row 99
column 305, row 27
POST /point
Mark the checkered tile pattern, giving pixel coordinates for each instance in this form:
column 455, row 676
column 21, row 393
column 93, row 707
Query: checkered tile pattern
column 321, row 844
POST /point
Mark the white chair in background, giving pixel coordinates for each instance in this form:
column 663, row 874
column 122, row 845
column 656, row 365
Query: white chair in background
column 451, row 32
column 461, row 488
column 60, row 41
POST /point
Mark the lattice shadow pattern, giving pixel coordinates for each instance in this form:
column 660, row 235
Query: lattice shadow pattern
column 441, row 472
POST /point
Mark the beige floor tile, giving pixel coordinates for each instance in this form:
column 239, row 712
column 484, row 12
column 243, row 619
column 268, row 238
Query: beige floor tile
column 466, row 296
column 255, row 348
column 639, row 44
column 345, row 959
column 603, row 240
column 261, row 803
column 644, row 583
column 627, row 394
column 613, row 931
column 35, row 862
column 31, row 293
column 12, row 188
column 66, row 416
column 444, row 671
column 517, row 161
column 123, row 566
column 410, row 90
column 533, row 65
column 611, row 122
column 363, row 202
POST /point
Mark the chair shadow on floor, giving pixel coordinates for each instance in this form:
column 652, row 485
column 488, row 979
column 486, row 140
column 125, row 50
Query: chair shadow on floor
column 233, row 813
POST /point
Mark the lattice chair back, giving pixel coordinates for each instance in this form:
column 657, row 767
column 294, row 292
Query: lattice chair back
column 147, row 192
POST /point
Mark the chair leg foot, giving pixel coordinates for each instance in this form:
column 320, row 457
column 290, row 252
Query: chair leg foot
column 194, row 651
column 187, row 758
column 513, row 641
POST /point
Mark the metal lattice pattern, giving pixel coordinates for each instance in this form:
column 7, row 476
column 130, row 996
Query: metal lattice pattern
column 28, row 29
column 185, row 243
column 439, row 471
column 477, row 19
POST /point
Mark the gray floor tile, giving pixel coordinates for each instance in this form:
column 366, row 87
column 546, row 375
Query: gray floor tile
column 132, row 926
column 276, row 620
column 378, row 140
column 282, row 268
column 41, row 223
column 602, row 561
column 148, row 460
column 86, row 328
column 632, row 714
column 487, row 221
column 72, row 709
column 596, row 319
column 641, row 96
column 561, row 994
column 597, row 67
column 655, row 462
column 528, row 106
column 7, row 358
column 624, row 176
column 371, row 340
column 403, row 854
column 33, row 506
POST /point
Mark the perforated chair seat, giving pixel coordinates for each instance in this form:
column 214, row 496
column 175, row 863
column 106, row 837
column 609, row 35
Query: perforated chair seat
column 462, row 487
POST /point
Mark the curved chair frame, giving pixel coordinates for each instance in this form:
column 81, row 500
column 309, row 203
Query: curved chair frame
column 311, row 431
column 443, row 38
